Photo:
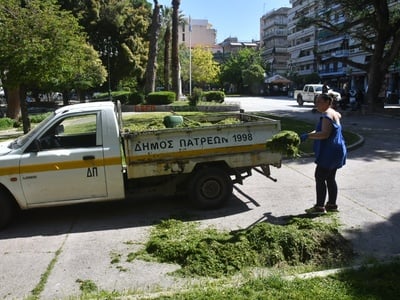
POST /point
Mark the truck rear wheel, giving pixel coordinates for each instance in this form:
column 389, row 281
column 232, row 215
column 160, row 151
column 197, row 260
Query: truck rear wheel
column 7, row 209
column 210, row 187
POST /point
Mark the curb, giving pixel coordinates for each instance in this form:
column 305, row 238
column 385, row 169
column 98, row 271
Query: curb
column 325, row 273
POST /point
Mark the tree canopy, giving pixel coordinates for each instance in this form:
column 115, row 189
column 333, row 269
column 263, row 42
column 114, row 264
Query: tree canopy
column 126, row 23
column 204, row 68
column 244, row 69
column 374, row 25
column 42, row 46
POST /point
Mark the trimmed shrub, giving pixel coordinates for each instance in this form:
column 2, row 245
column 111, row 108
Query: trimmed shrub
column 37, row 118
column 217, row 96
column 6, row 123
column 195, row 97
column 135, row 98
column 121, row 96
column 160, row 98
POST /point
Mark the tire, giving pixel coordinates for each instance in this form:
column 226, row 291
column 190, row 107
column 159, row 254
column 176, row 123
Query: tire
column 300, row 100
column 210, row 187
column 7, row 209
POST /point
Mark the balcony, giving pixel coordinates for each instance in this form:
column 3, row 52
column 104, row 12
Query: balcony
column 302, row 46
column 301, row 33
column 303, row 59
column 337, row 53
column 339, row 71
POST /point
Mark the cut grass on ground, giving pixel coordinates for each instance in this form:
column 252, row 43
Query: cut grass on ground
column 219, row 256
column 213, row 253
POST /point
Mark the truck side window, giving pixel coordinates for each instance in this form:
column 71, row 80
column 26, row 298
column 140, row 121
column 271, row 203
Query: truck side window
column 78, row 131
column 71, row 132
column 311, row 89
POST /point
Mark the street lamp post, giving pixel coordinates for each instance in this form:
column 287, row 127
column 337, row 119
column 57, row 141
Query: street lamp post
column 109, row 50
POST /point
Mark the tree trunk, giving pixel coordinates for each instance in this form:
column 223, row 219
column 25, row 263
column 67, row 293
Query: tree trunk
column 65, row 95
column 175, row 48
column 167, row 49
column 151, row 68
column 14, row 104
column 376, row 83
column 26, row 123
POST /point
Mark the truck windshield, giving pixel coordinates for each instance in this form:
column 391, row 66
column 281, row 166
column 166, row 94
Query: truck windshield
column 19, row 142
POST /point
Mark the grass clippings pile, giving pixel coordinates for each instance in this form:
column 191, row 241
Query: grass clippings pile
column 286, row 142
column 155, row 121
column 213, row 253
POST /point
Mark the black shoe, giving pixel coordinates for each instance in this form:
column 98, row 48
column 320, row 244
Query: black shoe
column 316, row 210
column 331, row 207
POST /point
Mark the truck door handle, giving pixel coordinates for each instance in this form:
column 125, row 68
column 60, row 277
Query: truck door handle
column 88, row 157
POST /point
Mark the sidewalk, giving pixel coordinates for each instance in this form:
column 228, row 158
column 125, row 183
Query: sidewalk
column 11, row 133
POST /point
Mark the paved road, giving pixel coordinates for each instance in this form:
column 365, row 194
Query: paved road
column 79, row 242
column 369, row 183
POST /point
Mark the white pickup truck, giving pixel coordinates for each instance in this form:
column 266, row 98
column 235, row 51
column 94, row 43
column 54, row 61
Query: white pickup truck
column 80, row 154
column 310, row 92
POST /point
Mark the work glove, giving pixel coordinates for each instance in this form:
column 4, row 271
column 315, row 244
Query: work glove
column 303, row 137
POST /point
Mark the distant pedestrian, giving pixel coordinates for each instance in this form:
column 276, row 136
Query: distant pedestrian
column 330, row 155
column 325, row 88
column 359, row 98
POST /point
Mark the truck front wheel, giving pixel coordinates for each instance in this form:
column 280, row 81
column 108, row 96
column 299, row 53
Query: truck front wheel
column 210, row 187
column 7, row 209
column 300, row 100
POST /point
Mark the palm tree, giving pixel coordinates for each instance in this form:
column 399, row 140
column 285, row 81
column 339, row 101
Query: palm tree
column 175, row 48
column 151, row 68
column 166, row 13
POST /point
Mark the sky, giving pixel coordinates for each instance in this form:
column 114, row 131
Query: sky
column 231, row 18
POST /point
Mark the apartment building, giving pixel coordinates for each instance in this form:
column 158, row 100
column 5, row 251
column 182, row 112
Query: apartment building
column 330, row 45
column 302, row 43
column 311, row 49
column 274, row 40
column 197, row 32
column 232, row 45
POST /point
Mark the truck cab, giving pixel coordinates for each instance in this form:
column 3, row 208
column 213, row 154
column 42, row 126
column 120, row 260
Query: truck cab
column 73, row 156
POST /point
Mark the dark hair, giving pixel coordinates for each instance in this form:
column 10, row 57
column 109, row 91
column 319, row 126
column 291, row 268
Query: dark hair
column 326, row 97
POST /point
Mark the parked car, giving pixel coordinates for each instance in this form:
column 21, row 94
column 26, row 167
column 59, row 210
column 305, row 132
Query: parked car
column 310, row 92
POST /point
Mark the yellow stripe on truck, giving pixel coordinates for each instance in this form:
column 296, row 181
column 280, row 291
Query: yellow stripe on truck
column 8, row 171
column 55, row 166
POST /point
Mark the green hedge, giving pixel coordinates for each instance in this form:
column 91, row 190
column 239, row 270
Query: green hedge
column 160, row 98
column 126, row 97
column 135, row 98
column 217, row 96
column 121, row 96
column 6, row 123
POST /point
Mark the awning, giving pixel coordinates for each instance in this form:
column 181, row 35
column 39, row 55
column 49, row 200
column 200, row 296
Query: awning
column 358, row 59
column 277, row 79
